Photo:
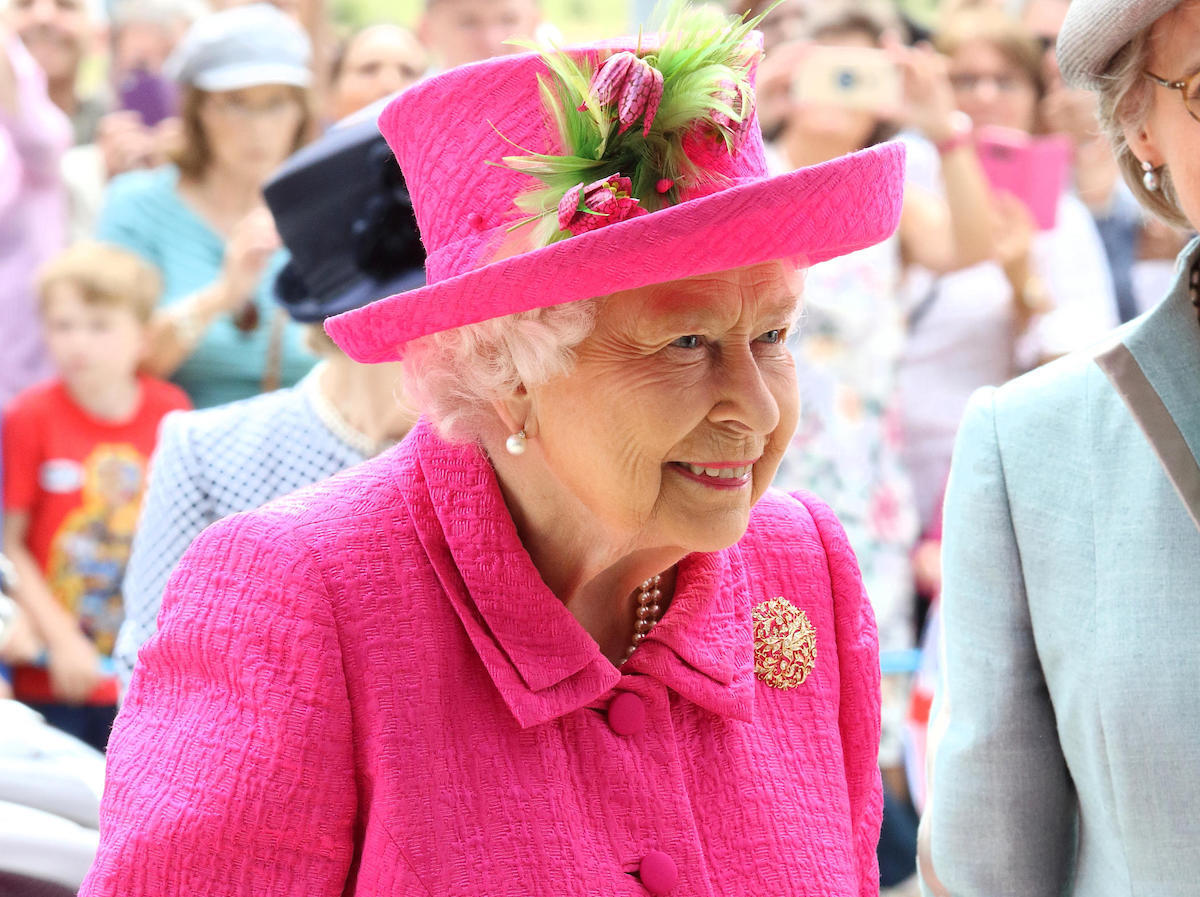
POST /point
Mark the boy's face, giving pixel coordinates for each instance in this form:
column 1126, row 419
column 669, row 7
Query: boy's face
column 462, row 31
column 91, row 344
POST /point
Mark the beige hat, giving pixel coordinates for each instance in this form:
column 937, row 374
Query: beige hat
column 1096, row 30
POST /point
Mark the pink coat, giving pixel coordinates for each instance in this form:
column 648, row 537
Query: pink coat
column 365, row 688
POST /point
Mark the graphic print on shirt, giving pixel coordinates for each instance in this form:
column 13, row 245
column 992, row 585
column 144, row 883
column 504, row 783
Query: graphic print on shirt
column 91, row 548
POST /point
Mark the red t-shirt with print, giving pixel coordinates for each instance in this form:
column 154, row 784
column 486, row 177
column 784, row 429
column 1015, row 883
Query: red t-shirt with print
column 80, row 480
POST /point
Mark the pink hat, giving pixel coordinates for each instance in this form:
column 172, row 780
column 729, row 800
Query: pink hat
column 543, row 179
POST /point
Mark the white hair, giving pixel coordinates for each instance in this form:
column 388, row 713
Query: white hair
column 454, row 376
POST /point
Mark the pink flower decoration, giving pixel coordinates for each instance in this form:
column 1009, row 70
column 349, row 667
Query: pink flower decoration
column 632, row 85
column 604, row 202
column 728, row 94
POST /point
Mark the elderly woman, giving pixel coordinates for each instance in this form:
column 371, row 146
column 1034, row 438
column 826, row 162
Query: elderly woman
column 352, row 241
column 1063, row 748
column 561, row 640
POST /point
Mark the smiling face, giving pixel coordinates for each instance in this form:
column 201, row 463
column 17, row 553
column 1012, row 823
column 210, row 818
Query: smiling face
column 56, row 33
column 675, row 416
column 1169, row 135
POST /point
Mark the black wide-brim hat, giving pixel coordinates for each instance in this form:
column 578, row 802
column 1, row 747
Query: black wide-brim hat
column 343, row 212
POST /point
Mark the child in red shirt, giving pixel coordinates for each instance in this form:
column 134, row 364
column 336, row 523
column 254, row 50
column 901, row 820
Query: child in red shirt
column 75, row 456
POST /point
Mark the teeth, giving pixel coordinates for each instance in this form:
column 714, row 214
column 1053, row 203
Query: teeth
column 719, row 473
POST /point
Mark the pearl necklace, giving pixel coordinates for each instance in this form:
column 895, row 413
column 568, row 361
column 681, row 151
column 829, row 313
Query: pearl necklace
column 649, row 612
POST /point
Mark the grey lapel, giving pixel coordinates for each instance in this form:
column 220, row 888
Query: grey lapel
column 1156, row 371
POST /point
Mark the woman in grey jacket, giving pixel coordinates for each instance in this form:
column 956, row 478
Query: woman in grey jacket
column 1063, row 749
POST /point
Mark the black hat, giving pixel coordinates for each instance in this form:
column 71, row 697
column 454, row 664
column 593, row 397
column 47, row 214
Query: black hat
column 344, row 214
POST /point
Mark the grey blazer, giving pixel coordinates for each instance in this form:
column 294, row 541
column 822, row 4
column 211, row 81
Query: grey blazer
column 1064, row 752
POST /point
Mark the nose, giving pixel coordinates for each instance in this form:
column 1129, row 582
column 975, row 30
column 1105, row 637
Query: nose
column 745, row 402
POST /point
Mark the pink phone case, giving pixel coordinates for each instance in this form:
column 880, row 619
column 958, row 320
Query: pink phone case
column 1033, row 169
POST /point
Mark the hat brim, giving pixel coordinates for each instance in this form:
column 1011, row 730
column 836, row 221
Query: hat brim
column 812, row 215
column 236, row 77
column 313, row 309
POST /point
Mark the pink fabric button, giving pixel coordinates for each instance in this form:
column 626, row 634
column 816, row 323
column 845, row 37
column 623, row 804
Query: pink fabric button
column 659, row 872
column 627, row 714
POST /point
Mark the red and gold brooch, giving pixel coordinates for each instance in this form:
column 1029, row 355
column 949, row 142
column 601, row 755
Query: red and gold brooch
column 785, row 644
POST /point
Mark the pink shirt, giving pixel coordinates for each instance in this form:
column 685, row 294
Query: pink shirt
column 33, row 216
column 365, row 688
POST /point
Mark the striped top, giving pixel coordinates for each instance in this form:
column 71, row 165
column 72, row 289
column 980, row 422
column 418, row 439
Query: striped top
column 144, row 212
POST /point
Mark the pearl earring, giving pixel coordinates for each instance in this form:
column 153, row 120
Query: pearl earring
column 515, row 444
column 1150, row 179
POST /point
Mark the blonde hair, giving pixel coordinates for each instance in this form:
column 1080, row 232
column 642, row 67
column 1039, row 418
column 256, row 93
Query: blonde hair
column 104, row 275
column 1125, row 101
column 455, row 375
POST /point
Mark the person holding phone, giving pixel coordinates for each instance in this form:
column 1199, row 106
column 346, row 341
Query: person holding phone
column 1045, row 294
column 852, row 88
column 1063, row 742
column 246, row 106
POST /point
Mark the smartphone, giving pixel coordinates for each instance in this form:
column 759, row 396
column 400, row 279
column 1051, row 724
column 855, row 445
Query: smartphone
column 850, row 77
column 1033, row 169
column 152, row 96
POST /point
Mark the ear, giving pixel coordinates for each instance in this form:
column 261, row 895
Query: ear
column 1142, row 141
column 422, row 31
column 517, row 411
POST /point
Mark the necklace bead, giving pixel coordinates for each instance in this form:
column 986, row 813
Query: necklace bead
column 648, row 612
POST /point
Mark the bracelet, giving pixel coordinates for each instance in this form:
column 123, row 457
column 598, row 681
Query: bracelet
column 961, row 130
column 186, row 324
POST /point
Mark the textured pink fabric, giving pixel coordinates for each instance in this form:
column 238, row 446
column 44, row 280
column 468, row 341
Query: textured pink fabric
column 450, row 133
column 365, row 688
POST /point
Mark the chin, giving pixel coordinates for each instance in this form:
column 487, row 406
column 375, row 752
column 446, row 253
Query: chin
column 714, row 533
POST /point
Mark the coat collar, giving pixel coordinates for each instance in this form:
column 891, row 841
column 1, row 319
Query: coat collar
column 1167, row 347
column 540, row 658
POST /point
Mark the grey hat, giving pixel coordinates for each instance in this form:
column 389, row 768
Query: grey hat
column 1096, row 30
column 242, row 47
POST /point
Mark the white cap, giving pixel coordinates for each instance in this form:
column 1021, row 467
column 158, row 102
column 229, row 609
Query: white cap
column 242, row 47
column 1094, row 31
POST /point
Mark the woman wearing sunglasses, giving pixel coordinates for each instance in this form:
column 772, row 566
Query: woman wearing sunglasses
column 1063, row 744
column 244, row 74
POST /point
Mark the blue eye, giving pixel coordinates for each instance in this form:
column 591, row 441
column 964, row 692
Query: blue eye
column 772, row 337
column 691, row 341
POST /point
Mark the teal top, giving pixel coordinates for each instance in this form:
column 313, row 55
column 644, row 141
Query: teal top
column 144, row 212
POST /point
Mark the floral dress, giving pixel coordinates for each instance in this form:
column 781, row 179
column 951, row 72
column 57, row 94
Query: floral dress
column 847, row 445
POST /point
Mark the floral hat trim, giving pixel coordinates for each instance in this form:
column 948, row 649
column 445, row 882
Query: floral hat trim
column 692, row 89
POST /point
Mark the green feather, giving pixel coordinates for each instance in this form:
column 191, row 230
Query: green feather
column 703, row 52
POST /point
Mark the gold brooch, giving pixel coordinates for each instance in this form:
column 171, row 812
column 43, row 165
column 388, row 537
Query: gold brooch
column 785, row 644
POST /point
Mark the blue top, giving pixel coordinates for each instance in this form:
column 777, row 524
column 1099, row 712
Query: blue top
column 144, row 212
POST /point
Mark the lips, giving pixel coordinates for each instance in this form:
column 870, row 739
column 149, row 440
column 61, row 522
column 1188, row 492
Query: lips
column 722, row 472
column 720, row 475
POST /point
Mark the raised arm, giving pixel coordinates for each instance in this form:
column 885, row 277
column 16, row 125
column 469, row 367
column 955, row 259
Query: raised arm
column 35, row 131
column 1000, row 811
column 230, row 769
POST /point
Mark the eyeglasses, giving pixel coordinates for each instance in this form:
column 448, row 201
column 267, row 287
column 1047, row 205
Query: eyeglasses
column 1188, row 89
column 969, row 82
column 236, row 109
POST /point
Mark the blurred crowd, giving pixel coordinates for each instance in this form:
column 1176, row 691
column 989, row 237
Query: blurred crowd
column 138, row 268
